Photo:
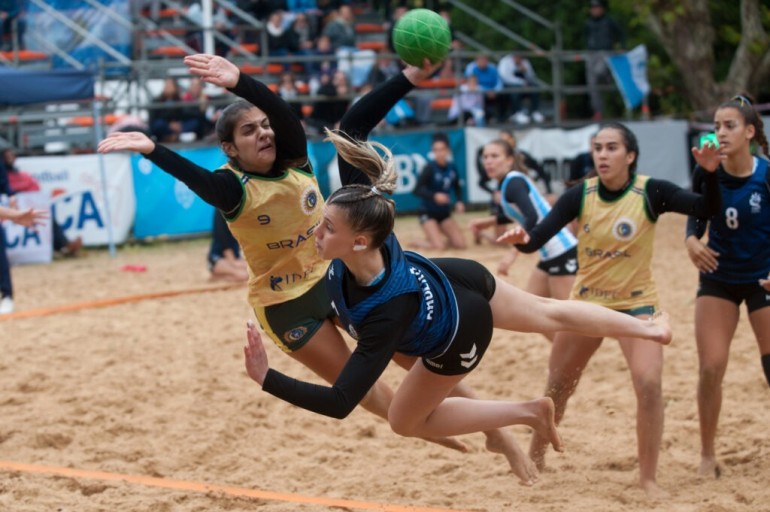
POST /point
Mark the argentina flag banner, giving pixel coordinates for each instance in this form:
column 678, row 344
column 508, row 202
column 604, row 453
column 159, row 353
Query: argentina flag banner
column 630, row 73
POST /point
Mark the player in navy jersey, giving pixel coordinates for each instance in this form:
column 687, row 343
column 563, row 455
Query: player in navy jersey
column 400, row 305
column 735, row 263
column 438, row 180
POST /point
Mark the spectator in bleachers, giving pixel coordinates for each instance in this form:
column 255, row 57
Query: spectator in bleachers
column 385, row 68
column 12, row 12
column 220, row 21
column 165, row 116
column 325, row 65
column 328, row 112
column 468, row 103
column 516, row 71
column 20, row 181
column 489, row 82
column 340, row 29
column 281, row 41
column 288, row 89
column 194, row 115
column 602, row 34
column 304, row 33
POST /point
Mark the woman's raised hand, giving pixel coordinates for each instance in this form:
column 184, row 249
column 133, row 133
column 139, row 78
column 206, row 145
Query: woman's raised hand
column 516, row 235
column 707, row 156
column 213, row 69
column 126, row 141
column 254, row 354
column 417, row 74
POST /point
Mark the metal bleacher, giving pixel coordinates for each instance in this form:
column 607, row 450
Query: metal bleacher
column 162, row 38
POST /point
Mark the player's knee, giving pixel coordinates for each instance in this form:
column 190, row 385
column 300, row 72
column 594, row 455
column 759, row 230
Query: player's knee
column 400, row 424
column 766, row 367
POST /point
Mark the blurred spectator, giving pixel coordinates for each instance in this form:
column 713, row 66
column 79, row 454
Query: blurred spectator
column 12, row 13
column 166, row 114
column 325, row 63
column 194, row 115
column 489, row 82
column 468, row 103
column 527, row 164
column 340, row 29
column 602, row 34
column 219, row 21
column 328, row 112
column 288, row 90
column 304, row 34
column 281, row 40
column 225, row 261
column 438, row 180
column 516, row 71
column 385, row 68
column 20, row 181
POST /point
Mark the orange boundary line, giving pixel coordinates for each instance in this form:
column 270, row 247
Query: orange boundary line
column 185, row 485
column 102, row 303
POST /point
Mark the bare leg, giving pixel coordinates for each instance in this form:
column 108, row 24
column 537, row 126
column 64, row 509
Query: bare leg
column 570, row 354
column 421, row 407
column 715, row 323
column 538, row 285
column 516, row 310
column 452, row 231
column 500, row 441
column 645, row 360
column 434, row 238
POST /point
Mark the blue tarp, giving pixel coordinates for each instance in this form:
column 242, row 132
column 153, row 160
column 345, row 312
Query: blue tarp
column 19, row 87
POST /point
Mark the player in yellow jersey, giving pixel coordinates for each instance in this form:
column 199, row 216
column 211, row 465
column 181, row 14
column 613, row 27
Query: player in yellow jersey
column 616, row 213
column 270, row 198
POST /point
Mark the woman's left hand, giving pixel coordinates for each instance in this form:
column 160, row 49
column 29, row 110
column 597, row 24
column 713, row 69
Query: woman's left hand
column 417, row 74
column 255, row 355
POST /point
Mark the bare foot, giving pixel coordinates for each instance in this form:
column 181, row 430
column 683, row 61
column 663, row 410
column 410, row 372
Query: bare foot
column 521, row 465
column 537, row 448
column 448, row 442
column 709, row 468
column 654, row 491
column 662, row 320
column 545, row 422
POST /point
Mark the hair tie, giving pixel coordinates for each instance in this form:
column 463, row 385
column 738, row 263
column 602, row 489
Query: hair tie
column 743, row 100
column 375, row 190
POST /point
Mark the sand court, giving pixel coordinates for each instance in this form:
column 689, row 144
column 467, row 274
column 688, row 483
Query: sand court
column 137, row 399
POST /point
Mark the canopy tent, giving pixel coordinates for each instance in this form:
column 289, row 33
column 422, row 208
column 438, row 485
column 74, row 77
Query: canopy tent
column 22, row 87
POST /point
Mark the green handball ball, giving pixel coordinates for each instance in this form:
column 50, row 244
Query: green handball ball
column 421, row 34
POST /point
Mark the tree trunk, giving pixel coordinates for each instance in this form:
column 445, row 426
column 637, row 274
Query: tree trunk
column 685, row 30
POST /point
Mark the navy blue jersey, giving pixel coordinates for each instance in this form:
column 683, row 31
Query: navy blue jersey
column 740, row 232
column 432, row 329
column 435, row 178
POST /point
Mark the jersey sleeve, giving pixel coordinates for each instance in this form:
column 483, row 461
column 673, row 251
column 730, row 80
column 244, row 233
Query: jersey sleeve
column 384, row 326
column 563, row 212
column 364, row 115
column 290, row 138
column 221, row 189
column 664, row 196
column 697, row 225
column 517, row 194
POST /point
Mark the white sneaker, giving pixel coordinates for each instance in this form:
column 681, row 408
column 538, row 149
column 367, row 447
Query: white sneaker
column 537, row 117
column 520, row 118
column 6, row 306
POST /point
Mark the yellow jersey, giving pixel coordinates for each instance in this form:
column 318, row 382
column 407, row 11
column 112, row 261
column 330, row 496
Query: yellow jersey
column 274, row 226
column 615, row 243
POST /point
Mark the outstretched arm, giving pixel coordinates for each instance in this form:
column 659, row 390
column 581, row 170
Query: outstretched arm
column 29, row 218
column 220, row 189
column 364, row 115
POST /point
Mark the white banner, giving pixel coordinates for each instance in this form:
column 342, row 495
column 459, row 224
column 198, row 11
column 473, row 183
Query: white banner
column 28, row 245
column 75, row 187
